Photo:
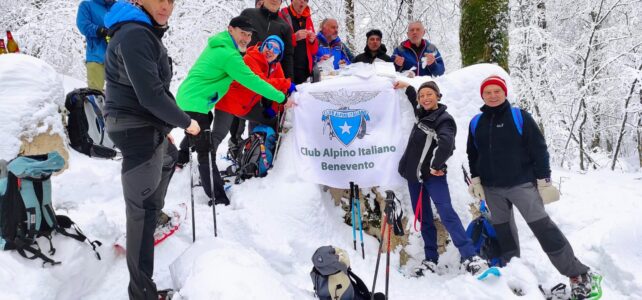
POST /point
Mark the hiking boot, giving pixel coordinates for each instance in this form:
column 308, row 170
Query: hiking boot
column 586, row 286
column 220, row 200
column 163, row 219
column 426, row 267
column 475, row 265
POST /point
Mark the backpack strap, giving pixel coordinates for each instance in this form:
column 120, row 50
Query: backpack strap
column 360, row 288
column 518, row 119
column 32, row 207
column 22, row 247
column 64, row 222
column 473, row 127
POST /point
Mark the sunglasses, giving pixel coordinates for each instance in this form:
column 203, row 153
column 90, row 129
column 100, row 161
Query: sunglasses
column 274, row 47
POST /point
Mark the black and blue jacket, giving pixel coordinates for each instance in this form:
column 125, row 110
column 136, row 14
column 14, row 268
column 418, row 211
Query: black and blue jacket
column 138, row 71
column 500, row 156
column 431, row 142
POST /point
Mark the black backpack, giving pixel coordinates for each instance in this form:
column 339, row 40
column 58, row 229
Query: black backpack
column 332, row 277
column 86, row 124
column 26, row 209
column 254, row 155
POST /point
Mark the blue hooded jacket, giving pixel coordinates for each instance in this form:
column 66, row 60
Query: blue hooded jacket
column 125, row 12
column 334, row 48
column 89, row 19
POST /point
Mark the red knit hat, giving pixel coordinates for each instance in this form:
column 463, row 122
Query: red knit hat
column 496, row 80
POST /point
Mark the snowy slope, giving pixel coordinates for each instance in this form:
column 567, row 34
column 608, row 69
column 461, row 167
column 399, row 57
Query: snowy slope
column 267, row 236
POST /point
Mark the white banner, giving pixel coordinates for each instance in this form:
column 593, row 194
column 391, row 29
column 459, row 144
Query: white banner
column 347, row 129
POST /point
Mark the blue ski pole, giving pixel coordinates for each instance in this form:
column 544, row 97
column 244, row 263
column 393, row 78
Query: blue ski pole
column 358, row 200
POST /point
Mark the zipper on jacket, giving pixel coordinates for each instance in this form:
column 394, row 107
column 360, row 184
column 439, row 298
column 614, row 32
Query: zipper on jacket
column 417, row 57
column 490, row 144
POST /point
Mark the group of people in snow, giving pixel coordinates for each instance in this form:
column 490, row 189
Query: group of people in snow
column 248, row 72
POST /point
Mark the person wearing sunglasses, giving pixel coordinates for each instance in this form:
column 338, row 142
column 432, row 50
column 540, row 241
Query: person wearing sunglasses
column 264, row 60
column 207, row 82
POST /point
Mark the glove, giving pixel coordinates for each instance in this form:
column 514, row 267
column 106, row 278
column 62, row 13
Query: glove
column 475, row 188
column 101, row 32
column 292, row 88
column 547, row 191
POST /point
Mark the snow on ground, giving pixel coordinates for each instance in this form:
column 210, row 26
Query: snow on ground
column 268, row 235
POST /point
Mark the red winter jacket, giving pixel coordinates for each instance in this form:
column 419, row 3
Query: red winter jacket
column 311, row 48
column 239, row 100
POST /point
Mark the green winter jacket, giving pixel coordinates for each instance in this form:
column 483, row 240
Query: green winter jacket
column 210, row 77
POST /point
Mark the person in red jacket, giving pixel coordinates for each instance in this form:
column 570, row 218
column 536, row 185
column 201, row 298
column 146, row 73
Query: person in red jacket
column 304, row 39
column 264, row 61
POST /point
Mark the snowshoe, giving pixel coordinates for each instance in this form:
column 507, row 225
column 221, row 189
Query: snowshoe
column 558, row 292
column 166, row 294
column 426, row 267
column 587, row 286
column 475, row 265
column 166, row 226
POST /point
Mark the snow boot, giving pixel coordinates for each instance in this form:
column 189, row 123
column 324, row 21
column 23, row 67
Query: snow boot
column 586, row 286
column 426, row 267
column 475, row 265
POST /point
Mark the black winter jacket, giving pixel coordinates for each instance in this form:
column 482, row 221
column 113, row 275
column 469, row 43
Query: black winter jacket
column 267, row 23
column 138, row 75
column 432, row 136
column 500, row 156
column 367, row 57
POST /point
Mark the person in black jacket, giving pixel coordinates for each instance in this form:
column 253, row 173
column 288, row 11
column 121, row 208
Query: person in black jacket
column 423, row 164
column 266, row 22
column 140, row 112
column 509, row 163
column 374, row 48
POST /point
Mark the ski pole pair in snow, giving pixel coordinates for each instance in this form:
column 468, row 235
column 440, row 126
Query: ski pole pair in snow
column 355, row 208
column 389, row 221
column 207, row 134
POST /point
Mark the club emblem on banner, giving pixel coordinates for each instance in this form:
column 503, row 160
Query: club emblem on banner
column 345, row 124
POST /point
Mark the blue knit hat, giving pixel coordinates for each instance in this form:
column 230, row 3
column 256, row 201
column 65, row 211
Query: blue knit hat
column 274, row 38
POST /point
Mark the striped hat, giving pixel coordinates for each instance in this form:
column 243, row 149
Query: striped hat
column 496, row 80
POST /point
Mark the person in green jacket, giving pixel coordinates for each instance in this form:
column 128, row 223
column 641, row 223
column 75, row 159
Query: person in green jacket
column 208, row 81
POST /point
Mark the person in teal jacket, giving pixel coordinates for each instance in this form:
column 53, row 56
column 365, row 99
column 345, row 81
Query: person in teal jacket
column 207, row 82
column 91, row 24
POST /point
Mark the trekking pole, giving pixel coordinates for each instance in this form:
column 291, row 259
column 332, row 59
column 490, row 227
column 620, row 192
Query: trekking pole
column 358, row 200
column 281, row 121
column 390, row 220
column 383, row 230
column 208, row 136
column 191, row 185
column 354, row 231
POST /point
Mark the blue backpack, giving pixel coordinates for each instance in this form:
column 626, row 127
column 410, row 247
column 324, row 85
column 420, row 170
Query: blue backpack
column 26, row 209
column 484, row 238
column 517, row 118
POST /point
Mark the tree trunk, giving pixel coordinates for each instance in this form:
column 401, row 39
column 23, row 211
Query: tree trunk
column 349, row 9
column 623, row 126
column 483, row 32
column 410, row 11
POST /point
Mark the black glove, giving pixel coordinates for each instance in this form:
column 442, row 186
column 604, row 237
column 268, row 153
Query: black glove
column 101, row 32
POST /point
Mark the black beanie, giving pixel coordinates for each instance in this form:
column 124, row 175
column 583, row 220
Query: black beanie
column 376, row 32
column 431, row 85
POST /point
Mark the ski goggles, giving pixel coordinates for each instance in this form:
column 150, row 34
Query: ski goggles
column 274, row 47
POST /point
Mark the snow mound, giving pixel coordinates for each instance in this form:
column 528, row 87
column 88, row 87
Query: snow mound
column 32, row 93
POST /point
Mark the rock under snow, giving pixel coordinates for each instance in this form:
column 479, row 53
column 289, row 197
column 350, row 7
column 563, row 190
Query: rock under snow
column 32, row 94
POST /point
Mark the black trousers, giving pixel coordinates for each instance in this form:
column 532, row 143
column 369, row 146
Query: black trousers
column 147, row 167
column 222, row 122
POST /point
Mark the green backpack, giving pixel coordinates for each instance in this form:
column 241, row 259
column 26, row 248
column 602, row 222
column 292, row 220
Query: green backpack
column 26, row 210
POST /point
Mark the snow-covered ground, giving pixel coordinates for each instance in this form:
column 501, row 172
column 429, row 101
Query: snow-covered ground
column 268, row 235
